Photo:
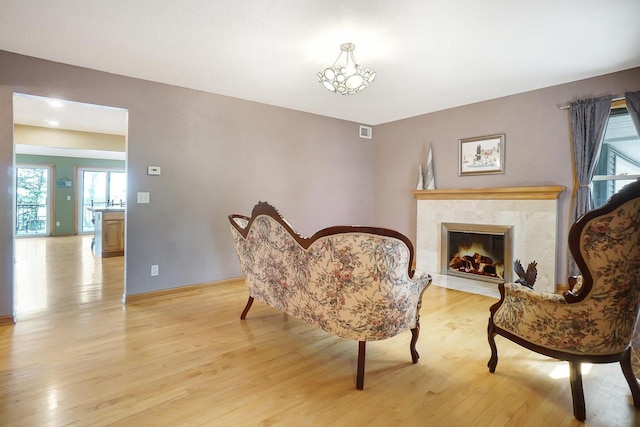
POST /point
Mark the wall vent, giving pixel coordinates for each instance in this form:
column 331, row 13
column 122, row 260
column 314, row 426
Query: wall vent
column 366, row 132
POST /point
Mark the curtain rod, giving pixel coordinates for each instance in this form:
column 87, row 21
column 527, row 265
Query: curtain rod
column 566, row 107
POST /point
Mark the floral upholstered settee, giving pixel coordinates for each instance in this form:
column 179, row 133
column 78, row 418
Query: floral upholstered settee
column 595, row 321
column 351, row 281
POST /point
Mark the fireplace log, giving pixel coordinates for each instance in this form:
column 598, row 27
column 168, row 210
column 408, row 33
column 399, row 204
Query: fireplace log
column 472, row 264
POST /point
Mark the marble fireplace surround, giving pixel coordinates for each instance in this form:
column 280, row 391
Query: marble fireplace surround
column 531, row 211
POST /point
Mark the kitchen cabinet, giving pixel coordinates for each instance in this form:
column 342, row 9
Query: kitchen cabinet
column 109, row 232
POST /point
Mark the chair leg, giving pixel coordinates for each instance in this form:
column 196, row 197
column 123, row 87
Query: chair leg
column 627, row 370
column 246, row 308
column 576, row 391
column 362, row 347
column 491, row 333
column 415, row 332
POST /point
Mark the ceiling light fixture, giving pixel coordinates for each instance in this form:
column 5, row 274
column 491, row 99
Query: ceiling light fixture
column 345, row 76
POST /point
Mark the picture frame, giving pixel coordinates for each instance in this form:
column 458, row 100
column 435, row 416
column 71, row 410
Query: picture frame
column 481, row 155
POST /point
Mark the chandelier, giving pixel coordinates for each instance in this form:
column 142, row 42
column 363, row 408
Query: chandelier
column 345, row 76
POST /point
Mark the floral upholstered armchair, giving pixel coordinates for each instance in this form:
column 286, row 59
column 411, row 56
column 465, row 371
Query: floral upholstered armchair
column 594, row 321
column 353, row 282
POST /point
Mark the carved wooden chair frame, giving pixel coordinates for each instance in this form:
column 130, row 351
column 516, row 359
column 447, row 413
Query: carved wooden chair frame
column 630, row 192
column 263, row 208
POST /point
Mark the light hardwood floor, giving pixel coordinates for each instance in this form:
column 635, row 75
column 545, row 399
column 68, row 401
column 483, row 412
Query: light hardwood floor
column 78, row 357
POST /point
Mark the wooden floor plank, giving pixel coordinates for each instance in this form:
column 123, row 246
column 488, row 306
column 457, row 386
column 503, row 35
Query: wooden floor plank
column 77, row 356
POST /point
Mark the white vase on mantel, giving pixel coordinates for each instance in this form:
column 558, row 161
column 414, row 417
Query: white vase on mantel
column 420, row 185
column 429, row 180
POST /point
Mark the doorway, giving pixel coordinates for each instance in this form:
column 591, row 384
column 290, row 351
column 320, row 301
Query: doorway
column 53, row 139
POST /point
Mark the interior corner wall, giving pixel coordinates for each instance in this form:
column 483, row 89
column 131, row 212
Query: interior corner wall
column 218, row 156
column 537, row 148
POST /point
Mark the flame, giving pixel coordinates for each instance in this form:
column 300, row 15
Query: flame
column 476, row 248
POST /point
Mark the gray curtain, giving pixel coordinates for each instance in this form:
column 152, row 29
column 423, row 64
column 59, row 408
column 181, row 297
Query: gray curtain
column 588, row 122
column 633, row 106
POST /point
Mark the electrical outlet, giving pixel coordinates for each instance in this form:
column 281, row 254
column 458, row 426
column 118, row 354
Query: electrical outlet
column 154, row 270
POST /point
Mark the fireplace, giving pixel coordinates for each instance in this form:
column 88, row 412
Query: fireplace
column 531, row 211
column 477, row 251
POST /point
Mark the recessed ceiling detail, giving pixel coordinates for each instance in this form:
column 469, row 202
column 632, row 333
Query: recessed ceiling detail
column 40, row 111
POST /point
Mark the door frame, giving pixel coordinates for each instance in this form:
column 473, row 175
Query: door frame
column 15, row 315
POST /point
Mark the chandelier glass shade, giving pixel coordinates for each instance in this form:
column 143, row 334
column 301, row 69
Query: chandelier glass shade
column 345, row 76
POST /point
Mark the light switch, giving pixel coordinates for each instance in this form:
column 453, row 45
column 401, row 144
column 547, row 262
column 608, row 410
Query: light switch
column 68, row 197
column 143, row 197
column 153, row 170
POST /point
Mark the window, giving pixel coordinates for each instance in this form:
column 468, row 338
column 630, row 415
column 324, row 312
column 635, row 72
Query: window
column 619, row 161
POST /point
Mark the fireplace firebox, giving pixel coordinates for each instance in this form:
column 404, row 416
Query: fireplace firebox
column 477, row 251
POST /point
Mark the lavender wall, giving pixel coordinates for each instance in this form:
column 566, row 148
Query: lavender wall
column 538, row 150
column 218, row 155
column 221, row 155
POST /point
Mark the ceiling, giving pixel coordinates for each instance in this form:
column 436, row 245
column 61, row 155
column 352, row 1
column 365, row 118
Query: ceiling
column 429, row 55
column 63, row 114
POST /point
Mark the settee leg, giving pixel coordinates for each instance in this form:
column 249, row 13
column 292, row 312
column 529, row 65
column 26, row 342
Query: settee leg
column 362, row 347
column 246, row 308
column 577, row 392
column 415, row 332
column 629, row 375
column 491, row 334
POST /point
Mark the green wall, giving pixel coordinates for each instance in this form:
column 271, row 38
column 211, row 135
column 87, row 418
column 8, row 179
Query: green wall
column 64, row 168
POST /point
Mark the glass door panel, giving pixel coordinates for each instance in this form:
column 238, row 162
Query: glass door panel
column 117, row 188
column 99, row 189
column 32, row 200
column 94, row 193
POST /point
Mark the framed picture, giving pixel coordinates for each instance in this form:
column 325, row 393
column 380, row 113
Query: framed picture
column 481, row 155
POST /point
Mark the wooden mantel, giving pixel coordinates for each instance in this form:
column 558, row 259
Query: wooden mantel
column 550, row 192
